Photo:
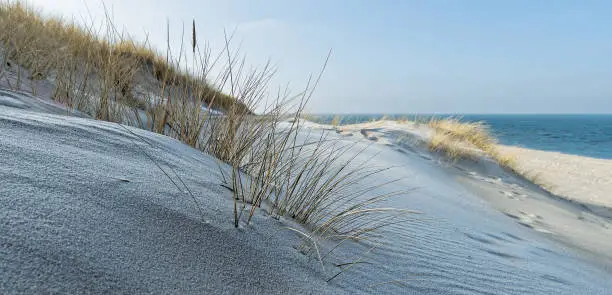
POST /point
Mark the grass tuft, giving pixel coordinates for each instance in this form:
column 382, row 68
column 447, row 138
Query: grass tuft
column 460, row 140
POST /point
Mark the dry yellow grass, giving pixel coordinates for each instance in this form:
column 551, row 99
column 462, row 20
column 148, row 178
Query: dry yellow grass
column 452, row 147
column 66, row 51
column 463, row 139
column 476, row 133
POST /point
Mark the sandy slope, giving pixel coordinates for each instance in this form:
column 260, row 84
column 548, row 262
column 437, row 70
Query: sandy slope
column 578, row 213
column 585, row 229
column 582, row 179
column 84, row 210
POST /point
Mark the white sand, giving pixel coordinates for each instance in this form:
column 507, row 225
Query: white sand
column 578, row 213
column 582, row 179
column 84, row 210
column 577, row 178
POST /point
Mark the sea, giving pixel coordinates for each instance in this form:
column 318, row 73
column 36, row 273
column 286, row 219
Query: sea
column 583, row 135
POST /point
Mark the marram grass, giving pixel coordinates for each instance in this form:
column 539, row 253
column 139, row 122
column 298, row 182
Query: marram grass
column 108, row 75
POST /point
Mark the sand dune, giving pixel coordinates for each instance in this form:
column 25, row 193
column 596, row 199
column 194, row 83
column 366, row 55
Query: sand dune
column 582, row 179
column 578, row 178
column 570, row 201
column 96, row 207
column 84, row 210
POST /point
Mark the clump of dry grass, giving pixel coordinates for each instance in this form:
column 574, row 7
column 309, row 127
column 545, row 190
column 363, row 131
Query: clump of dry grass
column 314, row 182
column 476, row 133
column 310, row 180
column 459, row 139
column 452, row 147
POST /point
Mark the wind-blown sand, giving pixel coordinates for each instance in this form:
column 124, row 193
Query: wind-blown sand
column 571, row 202
column 577, row 178
column 84, row 210
column 581, row 179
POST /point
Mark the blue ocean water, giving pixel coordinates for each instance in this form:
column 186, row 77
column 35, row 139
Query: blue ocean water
column 584, row 135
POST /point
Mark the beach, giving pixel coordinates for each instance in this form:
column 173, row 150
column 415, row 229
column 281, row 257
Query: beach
column 85, row 210
column 565, row 197
column 581, row 179
column 126, row 169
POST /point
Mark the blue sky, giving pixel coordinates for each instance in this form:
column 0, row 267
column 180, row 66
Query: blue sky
column 405, row 56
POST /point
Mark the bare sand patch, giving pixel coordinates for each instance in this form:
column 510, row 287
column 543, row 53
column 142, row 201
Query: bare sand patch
column 577, row 178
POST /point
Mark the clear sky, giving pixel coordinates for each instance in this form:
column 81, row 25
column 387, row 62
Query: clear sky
column 399, row 56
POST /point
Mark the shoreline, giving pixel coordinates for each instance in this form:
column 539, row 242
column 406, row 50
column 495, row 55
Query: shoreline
column 568, row 205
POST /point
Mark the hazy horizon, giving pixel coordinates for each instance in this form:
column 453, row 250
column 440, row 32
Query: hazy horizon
column 468, row 57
